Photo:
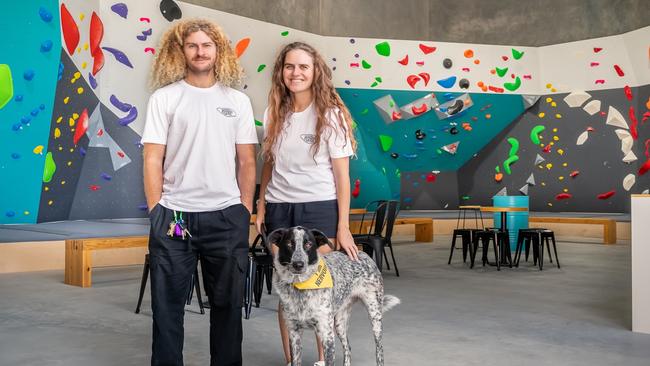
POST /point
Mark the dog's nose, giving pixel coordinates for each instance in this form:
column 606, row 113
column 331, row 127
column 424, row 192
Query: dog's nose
column 298, row 265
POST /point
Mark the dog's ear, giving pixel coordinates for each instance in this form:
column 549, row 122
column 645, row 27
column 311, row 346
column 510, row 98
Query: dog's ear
column 274, row 237
column 321, row 239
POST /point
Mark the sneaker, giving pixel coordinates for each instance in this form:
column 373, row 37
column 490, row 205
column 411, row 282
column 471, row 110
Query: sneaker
column 319, row 363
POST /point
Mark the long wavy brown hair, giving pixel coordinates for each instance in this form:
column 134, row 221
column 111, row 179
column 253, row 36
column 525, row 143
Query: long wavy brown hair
column 325, row 99
column 169, row 65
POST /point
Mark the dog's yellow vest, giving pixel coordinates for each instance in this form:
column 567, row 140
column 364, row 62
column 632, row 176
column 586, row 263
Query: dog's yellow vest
column 321, row 279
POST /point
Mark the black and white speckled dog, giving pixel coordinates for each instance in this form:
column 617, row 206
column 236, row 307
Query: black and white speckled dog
column 325, row 309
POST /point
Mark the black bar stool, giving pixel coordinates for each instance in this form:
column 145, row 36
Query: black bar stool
column 466, row 234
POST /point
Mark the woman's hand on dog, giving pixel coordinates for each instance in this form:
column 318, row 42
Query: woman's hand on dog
column 346, row 242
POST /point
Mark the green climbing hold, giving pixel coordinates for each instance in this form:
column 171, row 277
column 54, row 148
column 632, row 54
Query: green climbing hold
column 398, row 173
column 534, row 134
column 285, row 33
column 517, row 54
column 391, row 103
column 365, row 64
column 365, row 111
column 374, row 84
column 508, row 162
column 383, row 170
column 465, row 198
column 383, row 49
column 501, row 72
column 261, row 67
column 6, row 85
column 439, row 151
column 378, row 79
column 498, row 170
column 386, row 142
column 514, row 146
column 354, row 124
column 258, row 123
column 513, row 86
column 50, row 168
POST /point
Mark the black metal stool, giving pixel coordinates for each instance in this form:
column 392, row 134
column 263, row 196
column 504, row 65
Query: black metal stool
column 501, row 243
column 538, row 236
column 466, row 234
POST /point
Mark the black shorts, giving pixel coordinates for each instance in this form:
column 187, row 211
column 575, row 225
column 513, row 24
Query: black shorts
column 320, row 215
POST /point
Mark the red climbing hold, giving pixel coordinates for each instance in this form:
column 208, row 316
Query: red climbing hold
column 412, row 80
column 597, row 49
column 431, row 178
column 82, row 126
column 120, row 154
column 574, row 174
column 404, row 61
column 419, row 110
column 495, row 89
column 98, row 61
column 396, row 115
column 425, row 76
column 563, row 196
column 96, row 32
column 427, row 49
column 547, row 148
column 606, row 195
column 633, row 126
column 619, row 71
column 644, row 168
column 70, row 30
column 628, row 92
column 357, row 188
column 94, row 187
column 646, row 115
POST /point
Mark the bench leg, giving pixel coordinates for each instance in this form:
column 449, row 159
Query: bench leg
column 609, row 233
column 78, row 264
column 424, row 232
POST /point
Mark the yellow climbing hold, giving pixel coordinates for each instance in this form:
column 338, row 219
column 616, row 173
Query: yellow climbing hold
column 84, row 65
column 58, row 120
column 38, row 149
column 66, row 100
column 555, row 138
column 86, row 46
column 560, row 151
column 71, row 122
column 75, row 116
column 57, row 133
column 553, row 90
column 555, row 129
column 558, row 116
column 549, row 204
column 50, row 202
column 77, row 75
column 543, row 184
column 62, row 182
column 565, row 164
column 69, row 163
column 60, row 148
column 80, row 90
column 548, row 86
column 560, row 177
column 565, row 190
column 541, row 114
column 82, row 16
column 26, row 213
column 553, row 104
column 549, row 166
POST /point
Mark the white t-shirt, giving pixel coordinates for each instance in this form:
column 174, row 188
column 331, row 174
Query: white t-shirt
column 298, row 175
column 200, row 127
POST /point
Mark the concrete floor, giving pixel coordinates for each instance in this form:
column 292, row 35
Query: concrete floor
column 450, row 315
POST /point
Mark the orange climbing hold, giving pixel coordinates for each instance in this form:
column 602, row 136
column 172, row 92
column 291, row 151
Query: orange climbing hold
column 241, row 46
column 468, row 53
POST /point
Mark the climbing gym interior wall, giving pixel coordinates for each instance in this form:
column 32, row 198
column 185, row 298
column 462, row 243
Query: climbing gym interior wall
column 439, row 124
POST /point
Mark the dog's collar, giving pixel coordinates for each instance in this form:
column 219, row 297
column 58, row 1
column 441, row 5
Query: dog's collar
column 321, row 279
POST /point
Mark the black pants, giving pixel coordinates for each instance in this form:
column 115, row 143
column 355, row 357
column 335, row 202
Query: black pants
column 221, row 239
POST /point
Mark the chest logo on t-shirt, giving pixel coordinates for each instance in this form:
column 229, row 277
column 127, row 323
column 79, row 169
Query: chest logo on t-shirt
column 308, row 138
column 227, row 112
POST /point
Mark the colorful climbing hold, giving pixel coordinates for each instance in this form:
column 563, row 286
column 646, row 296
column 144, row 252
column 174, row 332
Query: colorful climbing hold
column 49, row 169
column 513, row 86
column 606, row 195
column 517, row 54
column 468, row 53
column 82, row 126
column 563, row 196
column 501, row 71
column 619, row 71
column 365, row 64
column 404, row 61
column 6, row 85
column 119, row 56
column 534, row 134
column 45, row 14
column 69, row 29
column 261, row 67
column 506, row 164
column 427, row 49
column 120, row 9
column 386, row 142
column 284, row 34
column 357, row 188
column 448, row 82
column 383, row 48
column 241, row 46
column 412, row 80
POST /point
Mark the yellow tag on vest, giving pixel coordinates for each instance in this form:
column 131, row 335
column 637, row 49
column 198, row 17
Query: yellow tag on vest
column 321, row 279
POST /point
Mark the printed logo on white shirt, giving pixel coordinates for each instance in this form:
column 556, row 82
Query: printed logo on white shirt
column 308, row 138
column 228, row 112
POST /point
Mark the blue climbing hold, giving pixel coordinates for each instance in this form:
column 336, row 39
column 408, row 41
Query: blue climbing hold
column 29, row 74
column 46, row 46
column 45, row 14
column 448, row 82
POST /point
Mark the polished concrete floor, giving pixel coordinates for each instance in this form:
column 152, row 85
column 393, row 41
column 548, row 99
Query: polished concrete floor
column 450, row 315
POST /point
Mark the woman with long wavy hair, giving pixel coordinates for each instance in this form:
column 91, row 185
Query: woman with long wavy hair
column 308, row 141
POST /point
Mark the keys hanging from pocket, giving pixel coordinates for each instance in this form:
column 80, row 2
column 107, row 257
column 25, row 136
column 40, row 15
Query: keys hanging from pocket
column 177, row 226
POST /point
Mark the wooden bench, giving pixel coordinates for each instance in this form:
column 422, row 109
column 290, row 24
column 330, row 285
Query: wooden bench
column 78, row 255
column 609, row 225
column 423, row 227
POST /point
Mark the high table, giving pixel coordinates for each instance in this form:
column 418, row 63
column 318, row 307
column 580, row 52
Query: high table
column 504, row 223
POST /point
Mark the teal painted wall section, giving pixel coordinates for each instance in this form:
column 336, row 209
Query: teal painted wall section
column 489, row 115
column 25, row 120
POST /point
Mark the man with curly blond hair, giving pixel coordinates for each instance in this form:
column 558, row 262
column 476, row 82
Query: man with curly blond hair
column 199, row 179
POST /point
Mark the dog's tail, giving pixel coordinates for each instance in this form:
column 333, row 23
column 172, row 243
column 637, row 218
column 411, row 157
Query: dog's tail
column 390, row 301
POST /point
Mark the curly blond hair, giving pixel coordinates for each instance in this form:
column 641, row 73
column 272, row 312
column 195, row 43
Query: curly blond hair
column 325, row 99
column 169, row 65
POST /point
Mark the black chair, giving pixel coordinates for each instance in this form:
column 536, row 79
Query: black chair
column 381, row 231
column 194, row 284
column 538, row 237
column 262, row 260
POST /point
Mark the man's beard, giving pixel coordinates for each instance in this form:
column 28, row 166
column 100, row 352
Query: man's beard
column 201, row 70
